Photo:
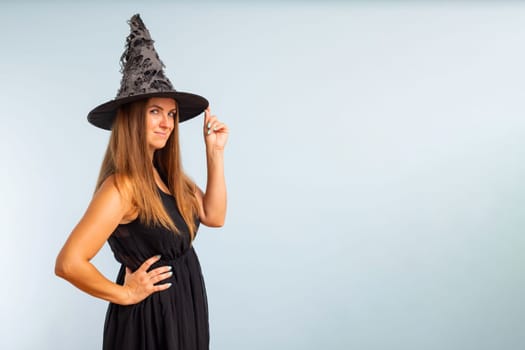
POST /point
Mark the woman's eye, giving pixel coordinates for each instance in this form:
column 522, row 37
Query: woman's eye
column 172, row 114
column 154, row 111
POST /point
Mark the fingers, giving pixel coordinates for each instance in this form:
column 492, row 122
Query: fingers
column 156, row 275
column 214, row 125
column 207, row 115
column 218, row 126
column 141, row 283
column 160, row 270
column 161, row 277
column 210, row 121
column 160, row 274
column 161, row 287
column 147, row 264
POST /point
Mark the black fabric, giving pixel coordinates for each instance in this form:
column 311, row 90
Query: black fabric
column 176, row 318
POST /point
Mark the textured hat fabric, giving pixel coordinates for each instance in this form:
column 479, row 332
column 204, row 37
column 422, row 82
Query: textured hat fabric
column 143, row 77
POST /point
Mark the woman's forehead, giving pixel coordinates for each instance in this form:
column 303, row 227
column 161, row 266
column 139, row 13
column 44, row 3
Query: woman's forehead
column 164, row 102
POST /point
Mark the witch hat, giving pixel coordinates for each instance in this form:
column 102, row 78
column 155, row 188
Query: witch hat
column 143, row 77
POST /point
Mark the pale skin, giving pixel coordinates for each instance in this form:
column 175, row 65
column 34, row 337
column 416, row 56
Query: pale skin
column 108, row 209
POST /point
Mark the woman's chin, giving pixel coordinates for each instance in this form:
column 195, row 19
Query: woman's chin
column 157, row 146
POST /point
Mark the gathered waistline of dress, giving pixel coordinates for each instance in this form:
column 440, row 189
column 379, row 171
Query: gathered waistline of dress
column 163, row 261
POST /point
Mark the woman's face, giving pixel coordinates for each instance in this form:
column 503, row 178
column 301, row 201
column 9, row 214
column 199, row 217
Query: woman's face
column 160, row 121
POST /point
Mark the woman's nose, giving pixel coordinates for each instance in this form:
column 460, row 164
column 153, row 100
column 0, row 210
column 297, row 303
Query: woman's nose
column 164, row 121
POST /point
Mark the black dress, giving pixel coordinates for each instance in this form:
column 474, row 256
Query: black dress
column 173, row 319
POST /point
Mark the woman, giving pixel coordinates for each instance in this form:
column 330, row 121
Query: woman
column 148, row 210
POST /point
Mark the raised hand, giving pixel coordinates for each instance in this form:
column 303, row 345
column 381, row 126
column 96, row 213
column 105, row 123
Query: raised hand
column 141, row 283
column 215, row 132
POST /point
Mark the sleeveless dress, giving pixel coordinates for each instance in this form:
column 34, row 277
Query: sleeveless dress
column 173, row 319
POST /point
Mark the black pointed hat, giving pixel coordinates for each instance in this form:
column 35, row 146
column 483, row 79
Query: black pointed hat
column 143, row 77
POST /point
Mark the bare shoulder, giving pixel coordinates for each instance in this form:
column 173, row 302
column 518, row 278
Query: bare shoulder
column 114, row 194
column 106, row 210
column 113, row 188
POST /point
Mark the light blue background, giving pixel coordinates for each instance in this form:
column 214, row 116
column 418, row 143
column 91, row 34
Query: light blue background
column 374, row 168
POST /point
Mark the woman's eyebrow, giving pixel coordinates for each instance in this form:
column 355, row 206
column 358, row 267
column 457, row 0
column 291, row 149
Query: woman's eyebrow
column 159, row 107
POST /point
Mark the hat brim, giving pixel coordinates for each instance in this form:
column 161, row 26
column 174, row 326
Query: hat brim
column 190, row 105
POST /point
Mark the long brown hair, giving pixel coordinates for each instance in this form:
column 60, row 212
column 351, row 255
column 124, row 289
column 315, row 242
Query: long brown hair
column 127, row 158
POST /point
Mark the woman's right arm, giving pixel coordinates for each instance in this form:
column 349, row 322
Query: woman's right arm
column 106, row 210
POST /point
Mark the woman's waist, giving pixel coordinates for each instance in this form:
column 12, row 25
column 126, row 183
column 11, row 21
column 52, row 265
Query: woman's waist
column 172, row 260
column 133, row 262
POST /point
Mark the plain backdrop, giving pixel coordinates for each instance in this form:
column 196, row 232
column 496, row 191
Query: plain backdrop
column 374, row 168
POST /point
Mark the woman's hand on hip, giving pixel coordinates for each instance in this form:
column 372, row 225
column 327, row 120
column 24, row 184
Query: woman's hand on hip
column 215, row 131
column 141, row 283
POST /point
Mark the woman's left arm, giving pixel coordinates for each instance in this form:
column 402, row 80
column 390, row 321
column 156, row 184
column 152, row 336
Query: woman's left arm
column 212, row 203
